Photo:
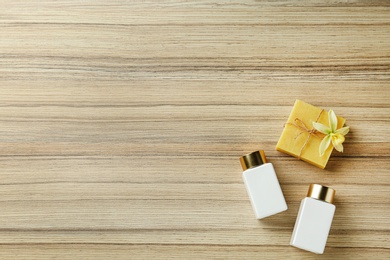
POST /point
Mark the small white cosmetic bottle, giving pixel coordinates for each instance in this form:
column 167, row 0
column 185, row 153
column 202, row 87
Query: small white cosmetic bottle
column 262, row 185
column 314, row 219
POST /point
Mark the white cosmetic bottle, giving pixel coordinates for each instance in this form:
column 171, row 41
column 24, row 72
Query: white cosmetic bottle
column 262, row 185
column 314, row 219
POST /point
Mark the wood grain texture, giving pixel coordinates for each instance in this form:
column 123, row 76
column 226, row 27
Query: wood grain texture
column 122, row 123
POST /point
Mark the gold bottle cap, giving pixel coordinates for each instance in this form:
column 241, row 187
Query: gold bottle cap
column 254, row 159
column 320, row 192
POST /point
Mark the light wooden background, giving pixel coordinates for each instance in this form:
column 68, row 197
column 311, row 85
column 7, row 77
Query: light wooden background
column 121, row 125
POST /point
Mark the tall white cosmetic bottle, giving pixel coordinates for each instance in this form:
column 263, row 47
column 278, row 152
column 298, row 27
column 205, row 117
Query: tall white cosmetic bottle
column 262, row 185
column 314, row 219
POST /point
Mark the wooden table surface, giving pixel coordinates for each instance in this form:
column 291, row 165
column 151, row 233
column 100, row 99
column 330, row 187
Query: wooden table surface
column 121, row 125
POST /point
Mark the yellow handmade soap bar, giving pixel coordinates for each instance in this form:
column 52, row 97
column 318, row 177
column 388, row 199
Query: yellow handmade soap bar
column 296, row 139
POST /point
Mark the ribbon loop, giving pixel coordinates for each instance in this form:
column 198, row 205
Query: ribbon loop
column 302, row 126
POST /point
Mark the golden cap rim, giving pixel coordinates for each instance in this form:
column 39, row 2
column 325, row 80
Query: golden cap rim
column 253, row 159
column 321, row 192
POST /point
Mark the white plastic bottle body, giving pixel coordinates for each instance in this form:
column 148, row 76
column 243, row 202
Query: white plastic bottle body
column 264, row 190
column 313, row 224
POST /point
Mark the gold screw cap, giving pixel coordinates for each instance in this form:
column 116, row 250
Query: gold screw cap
column 254, row 159
column 320, row 192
